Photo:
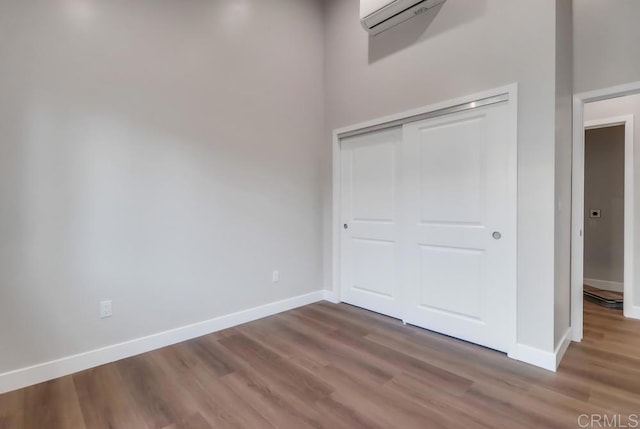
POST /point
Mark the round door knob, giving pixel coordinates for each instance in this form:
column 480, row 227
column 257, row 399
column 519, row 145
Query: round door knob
column 496, row 235
column 346, row 226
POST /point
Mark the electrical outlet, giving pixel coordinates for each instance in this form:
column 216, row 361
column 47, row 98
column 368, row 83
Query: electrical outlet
column 105, row 309
column 275, row 277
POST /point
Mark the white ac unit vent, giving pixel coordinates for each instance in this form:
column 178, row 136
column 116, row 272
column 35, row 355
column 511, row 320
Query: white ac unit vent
column 379, row 15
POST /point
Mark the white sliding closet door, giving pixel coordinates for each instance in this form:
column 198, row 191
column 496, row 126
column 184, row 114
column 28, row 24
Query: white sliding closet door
column 429, row 223
column 460, row 232
column 370, row 230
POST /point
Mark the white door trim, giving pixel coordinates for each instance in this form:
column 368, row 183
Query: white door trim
column 577, row 204
column 512, row 92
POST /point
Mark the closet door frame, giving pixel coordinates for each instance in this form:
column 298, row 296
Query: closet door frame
column 506, row 94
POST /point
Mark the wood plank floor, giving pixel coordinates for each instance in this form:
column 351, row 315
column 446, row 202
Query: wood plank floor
column 340, row 367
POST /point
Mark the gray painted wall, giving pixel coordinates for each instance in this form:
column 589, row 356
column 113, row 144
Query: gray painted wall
column 606, row 34
column 469, row 46
column 564, row 132
column 164, row 155
column 604, row 190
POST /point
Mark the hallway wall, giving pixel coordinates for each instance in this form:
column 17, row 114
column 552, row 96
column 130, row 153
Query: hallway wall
column 604, row 190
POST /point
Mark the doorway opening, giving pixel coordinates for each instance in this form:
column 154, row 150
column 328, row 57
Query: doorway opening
column 604, row 144
column 602, row 261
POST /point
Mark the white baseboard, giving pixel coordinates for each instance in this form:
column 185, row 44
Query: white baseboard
column 562, row 346
column 605, row 285
column 331, row 296
column 575, row 337
column 28, row 376
column 632, row 312
column 541, row 358
column 534, row 356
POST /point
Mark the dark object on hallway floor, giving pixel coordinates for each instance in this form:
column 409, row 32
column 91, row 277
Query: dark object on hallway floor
column 604, row 298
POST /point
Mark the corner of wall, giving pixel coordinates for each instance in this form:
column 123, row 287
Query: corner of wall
column 563, row 167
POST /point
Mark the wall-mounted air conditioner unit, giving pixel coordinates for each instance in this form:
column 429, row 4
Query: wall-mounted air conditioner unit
column 379, row 15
